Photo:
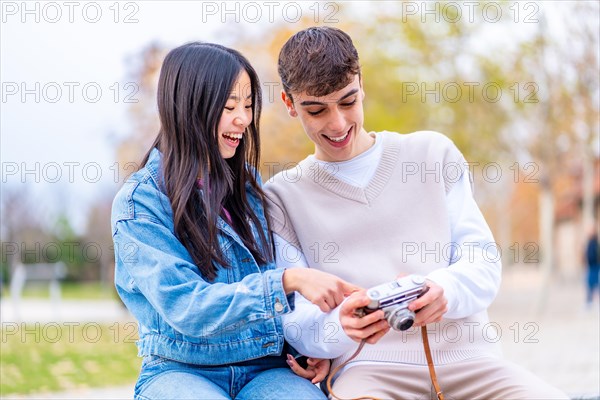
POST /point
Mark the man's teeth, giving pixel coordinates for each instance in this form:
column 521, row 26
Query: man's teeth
column 233, row 135
column 338, row 139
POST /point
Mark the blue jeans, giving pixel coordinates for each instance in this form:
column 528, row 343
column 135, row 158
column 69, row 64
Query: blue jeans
column 264, row 378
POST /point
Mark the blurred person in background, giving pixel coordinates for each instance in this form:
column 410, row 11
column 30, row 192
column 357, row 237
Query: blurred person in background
column 193, row 246
column 592, row 257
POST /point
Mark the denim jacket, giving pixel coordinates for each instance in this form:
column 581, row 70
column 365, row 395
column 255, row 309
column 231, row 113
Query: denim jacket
column 182, row 316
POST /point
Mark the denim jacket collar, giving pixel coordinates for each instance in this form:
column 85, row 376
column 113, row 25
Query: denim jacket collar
column 154, row 168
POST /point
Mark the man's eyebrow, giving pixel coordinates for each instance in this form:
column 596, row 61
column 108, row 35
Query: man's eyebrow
column 312, row 103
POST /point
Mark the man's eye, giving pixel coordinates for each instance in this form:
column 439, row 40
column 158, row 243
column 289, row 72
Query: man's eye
column 315, row 112
column 349, row 104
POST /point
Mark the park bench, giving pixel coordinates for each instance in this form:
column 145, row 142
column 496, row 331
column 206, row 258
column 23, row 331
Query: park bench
column 51, row 273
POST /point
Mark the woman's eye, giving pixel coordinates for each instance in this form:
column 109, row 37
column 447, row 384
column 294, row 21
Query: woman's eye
column 229, row 108
column 249, row 106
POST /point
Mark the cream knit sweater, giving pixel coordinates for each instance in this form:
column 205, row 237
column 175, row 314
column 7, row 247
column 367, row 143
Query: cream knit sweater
column 397, row 224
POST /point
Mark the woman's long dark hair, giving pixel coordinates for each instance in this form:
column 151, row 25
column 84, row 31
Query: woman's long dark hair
column 194, row 84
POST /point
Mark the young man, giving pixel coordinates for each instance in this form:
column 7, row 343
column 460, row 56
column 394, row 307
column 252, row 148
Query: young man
column 370, row 207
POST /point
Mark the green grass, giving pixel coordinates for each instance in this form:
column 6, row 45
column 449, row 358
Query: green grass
column 69, row 291
column 52, row 357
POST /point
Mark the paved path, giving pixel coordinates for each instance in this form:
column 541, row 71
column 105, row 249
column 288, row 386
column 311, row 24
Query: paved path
column 560, row 343
column 112, row 393
column 42, row 310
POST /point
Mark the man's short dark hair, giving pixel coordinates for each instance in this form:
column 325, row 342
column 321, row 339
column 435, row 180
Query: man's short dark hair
column 318, row 60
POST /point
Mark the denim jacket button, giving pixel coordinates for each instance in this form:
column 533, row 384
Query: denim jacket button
column 278, row 306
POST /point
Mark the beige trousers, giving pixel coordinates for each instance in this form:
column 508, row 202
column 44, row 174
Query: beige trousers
column 480, row 378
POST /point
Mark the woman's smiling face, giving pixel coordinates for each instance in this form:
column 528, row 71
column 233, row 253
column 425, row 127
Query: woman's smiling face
column 236, row 116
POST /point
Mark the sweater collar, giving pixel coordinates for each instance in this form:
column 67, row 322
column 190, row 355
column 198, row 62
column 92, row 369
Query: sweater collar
column 389, row 157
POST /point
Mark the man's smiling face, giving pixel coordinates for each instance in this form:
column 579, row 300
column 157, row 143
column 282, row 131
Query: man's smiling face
column 333, row 122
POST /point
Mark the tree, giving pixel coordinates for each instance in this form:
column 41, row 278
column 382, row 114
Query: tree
column 566, row 120
column 143, row 70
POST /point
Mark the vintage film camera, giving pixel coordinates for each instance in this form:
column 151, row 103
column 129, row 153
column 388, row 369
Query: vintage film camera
column 393, row 298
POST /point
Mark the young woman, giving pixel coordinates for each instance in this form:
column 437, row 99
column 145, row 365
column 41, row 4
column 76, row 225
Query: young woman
column 194, row 256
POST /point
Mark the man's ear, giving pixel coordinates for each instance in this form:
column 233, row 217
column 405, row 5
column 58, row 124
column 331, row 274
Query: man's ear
column 289, row 104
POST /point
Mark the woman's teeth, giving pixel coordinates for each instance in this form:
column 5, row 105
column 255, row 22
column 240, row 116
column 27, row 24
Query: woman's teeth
column 233, row 136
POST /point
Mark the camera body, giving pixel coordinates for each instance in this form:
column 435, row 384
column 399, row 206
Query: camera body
column 393, row 298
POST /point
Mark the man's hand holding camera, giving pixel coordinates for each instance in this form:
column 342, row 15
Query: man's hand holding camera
column 431, row 306
column 369, row 314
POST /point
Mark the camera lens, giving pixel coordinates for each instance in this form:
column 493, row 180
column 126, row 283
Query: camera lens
column 401, row 319
column 406, row 323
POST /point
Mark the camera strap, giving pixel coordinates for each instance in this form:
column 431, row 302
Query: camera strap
column 342, row 365
column 432, row 374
